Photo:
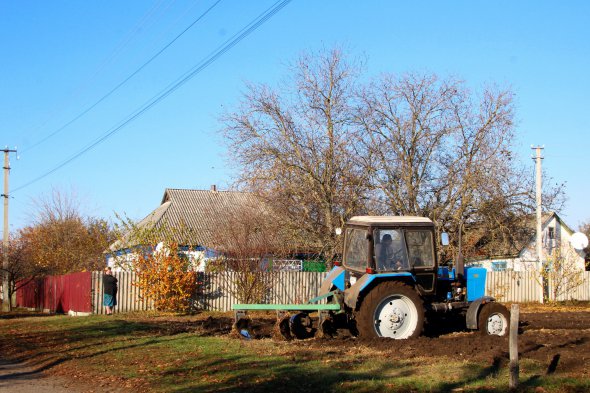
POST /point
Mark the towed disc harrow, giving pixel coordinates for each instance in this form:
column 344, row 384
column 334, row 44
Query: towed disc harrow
column 293, row 320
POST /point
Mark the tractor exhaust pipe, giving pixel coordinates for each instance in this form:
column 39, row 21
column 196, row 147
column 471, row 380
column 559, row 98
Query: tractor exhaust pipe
column 460, row 265
column 460, row 269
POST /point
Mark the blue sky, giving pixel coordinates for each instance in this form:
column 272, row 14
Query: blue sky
column 60, row 57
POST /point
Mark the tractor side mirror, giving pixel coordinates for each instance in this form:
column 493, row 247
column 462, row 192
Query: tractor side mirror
column 444, row 239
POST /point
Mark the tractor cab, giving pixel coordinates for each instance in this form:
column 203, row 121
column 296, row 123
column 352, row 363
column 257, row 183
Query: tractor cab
column 391, row 246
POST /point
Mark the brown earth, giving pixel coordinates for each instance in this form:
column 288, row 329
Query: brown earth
column 559, row 339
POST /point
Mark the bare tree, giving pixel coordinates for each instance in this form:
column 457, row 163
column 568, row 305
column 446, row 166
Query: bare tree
column 294, row 147
column 248, row 239
column 428, row 147
column 559, row 276
column 322, row 148
column 435, row 149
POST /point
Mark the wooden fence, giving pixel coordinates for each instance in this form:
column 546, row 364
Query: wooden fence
column 219, row 289
column 217, row 292
column 523, row 287
column 129, row 297
column 517, row 287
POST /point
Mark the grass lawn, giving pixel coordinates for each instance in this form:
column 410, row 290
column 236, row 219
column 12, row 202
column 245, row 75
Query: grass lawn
column 168, row 354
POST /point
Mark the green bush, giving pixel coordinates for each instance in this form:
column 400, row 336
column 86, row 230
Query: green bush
column 314, row 266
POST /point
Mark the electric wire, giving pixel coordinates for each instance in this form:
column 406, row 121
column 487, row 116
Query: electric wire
column 222, row 49
column 123, row 43
column 114, row 89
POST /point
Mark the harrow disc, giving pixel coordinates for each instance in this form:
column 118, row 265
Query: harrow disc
column 326, row 328
column 301, row 326
column 282, row 329
column 243, row 327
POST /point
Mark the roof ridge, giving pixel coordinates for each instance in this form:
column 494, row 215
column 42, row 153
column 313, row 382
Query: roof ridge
column 207, row 190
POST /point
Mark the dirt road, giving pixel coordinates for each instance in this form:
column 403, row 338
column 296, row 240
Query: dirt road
column 30, row 378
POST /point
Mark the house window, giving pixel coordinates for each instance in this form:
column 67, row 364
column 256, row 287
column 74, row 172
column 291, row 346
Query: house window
column 551, row 233
column 549, row 241
column 499, row 266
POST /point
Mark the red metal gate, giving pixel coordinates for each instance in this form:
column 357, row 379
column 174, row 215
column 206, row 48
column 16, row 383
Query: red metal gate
column 61, row 294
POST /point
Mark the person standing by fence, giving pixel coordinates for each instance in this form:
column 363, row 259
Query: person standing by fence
column 109, row 290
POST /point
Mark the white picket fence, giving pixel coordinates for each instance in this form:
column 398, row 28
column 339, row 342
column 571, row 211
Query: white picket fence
column 129, row 297
column 218, row 290
column 517, row 287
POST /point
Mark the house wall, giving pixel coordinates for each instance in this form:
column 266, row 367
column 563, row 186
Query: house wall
column 527, row 259
column 503, row 264
column 123, row 260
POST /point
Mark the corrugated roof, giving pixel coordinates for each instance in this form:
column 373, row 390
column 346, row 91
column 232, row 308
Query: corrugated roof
column 199, row 211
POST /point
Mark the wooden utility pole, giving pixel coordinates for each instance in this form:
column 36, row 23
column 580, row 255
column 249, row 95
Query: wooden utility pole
column 539, row 184
column 5, row 279
column 513, row 346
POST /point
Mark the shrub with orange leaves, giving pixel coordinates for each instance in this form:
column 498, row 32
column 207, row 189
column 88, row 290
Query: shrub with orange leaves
column 165, row 276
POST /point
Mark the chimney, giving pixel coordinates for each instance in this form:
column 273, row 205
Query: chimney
column 213, row 188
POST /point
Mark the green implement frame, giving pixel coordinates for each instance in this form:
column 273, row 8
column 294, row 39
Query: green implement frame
column 309, row 306
column 286, row 307
column 292, row 319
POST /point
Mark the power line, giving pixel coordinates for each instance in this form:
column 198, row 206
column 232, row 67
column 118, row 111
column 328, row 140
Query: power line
column 145, row 64
column 226, row 46
column 140, row 25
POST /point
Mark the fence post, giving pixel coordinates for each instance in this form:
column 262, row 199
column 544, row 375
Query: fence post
column 513, row 346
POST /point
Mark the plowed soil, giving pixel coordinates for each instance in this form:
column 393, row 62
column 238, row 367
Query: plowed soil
column 559, row 339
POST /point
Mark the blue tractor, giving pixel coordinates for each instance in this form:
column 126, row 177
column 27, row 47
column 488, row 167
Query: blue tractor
column 388, row 283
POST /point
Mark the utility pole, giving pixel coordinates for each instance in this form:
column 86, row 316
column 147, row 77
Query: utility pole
column 539, row 183
column 5, row 278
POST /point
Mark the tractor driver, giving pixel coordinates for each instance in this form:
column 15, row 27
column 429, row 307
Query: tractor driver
column 390, row 255
column 386, row 253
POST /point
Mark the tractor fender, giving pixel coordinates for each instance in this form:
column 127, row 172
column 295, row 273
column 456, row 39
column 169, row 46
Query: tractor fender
column 351, row 295
column 473, row 311
column 334, row 278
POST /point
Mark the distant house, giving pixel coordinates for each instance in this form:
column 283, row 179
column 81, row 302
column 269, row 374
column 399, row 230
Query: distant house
column 523, row 255
column 198, row 212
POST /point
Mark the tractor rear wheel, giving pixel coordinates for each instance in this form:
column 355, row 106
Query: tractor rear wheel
column 494, row 320
column 391, row 309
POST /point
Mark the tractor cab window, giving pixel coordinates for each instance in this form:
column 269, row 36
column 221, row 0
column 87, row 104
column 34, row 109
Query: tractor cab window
column 390, row 250
column 357, row 247
column 420, row 249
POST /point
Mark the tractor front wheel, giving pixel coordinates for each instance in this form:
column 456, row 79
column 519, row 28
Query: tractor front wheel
column 494, row 320
column 391, row 309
